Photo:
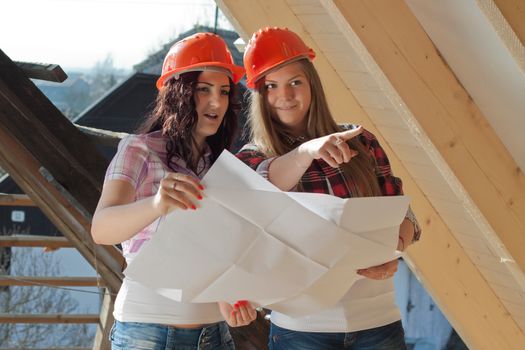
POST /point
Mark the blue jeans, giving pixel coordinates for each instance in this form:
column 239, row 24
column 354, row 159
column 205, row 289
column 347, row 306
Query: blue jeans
column 150, row 336
column 389, row 337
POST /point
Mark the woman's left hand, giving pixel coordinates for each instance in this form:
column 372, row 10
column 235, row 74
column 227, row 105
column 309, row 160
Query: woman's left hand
column 380, row 272
column 241, row 313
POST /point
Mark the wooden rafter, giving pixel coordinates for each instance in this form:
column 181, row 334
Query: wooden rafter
column 49, row 318
column 473, row 153
column 101, row 341
column 102, row 137
column 34, row 241
column 15, row 200
column 77, row 348
column 446, row 269
column 51, row 281
column 42, row 71
column 56, row 165
column 514, row 13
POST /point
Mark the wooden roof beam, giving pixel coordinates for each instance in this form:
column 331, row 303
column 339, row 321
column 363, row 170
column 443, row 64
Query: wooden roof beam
column 445, row 111
column 43, row 71
column 56, row 165
column 49, row 318
column 446, row 270
column 34, row 241
column 8, row 280
column 514, row 13
column 470, row 147
column 21, row 200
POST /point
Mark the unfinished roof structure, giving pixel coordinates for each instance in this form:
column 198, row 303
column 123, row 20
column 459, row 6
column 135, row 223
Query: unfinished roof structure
column 442, row 84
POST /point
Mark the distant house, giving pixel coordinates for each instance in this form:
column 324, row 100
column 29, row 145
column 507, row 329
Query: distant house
column 68, row 96
column 125, row 105
column 22, row 220
column 122, row 108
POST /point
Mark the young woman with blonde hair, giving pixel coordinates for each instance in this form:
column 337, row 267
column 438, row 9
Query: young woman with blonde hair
column 297, row 145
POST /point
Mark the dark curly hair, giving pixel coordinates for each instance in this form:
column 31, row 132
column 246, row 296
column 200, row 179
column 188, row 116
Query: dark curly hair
column 176, row 116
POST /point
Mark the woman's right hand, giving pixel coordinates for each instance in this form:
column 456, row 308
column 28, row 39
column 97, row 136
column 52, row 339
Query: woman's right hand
column 333, row 148
column 177, row 190
column 242, row 313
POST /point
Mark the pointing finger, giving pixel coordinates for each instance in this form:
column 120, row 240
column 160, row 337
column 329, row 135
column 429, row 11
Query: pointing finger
column 349, row 134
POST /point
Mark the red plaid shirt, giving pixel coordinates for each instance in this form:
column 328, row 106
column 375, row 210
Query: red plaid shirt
column 322, row 178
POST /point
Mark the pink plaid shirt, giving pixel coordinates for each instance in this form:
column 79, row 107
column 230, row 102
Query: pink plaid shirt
column 141, row 161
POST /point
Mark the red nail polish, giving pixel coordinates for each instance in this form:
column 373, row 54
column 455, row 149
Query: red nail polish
column 236, row 305
column 193, row 207
column 243, row 302
column 201, row 187
column 199, row 196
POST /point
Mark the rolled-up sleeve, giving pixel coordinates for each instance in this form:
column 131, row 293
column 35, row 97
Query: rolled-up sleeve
column 130, row 161
column 388, row 183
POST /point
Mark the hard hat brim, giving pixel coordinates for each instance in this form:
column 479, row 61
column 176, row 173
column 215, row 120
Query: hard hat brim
column 251, row 83
column 237, row 72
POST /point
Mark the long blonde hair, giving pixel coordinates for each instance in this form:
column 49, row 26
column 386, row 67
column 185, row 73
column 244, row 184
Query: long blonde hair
column 270, row 136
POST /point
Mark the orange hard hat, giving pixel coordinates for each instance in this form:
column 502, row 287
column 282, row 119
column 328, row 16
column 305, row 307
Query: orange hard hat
column 270, row 47
column 199, row 52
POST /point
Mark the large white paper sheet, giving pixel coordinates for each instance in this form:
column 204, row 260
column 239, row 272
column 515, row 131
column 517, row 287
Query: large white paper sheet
column 296, row 253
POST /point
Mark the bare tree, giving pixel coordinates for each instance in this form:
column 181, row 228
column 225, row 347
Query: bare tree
column 104, row 75
column 39, row 300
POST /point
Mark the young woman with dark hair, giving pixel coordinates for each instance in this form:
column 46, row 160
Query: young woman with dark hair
column 157, row 171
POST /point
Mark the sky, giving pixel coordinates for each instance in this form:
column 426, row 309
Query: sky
column 78, row 33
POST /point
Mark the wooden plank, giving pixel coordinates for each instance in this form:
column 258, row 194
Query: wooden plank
column 49, row 318
column 361, row 80
column 490, row 262
column 48, row 349
column 508, row 294
column 43, row 71
column 8, row 280
column 303, row 8
column 101, row 136
column 101, row 341
column 439, row 260
column 446, row 113
column 53, row 168
column 496, row 82
column 516, row 310
column 16, row 200
column 459, row 289
column 514, row 13
column 60, row 148
column 24, row 169
column 399, row 136
column 404, row 53
column 473, row 243
column 501, row 279
column 34, row 241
